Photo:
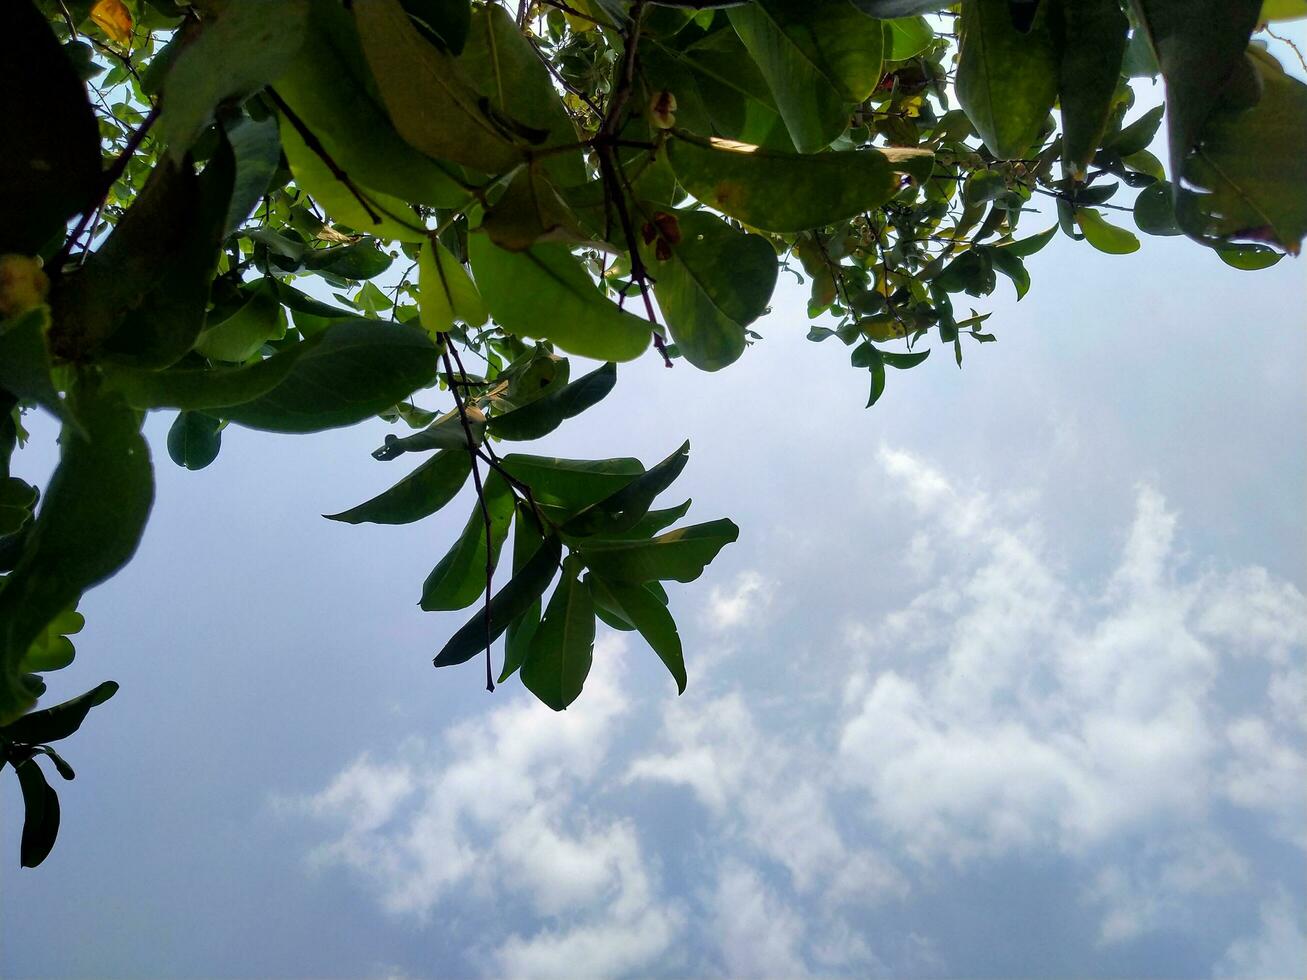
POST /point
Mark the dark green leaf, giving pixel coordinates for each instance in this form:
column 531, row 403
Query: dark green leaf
column 512, row 601
column 1155, row 210
column 1091, row 36
column 25, row 360
column 572, row 484
column 681, row 555
column 356, row 369
column 540, row 417
column 460, row 577
column 41, row 817
column 90, row 521
column 50, row 167
column 620, row 511
column 563, row 646
column 61, row 720
column 642, row 610
column 420, row 494
column 527, row 541
column 194, row 440
column 241, row 334
column 359, row 261
column 257, row 148
column 713, row 282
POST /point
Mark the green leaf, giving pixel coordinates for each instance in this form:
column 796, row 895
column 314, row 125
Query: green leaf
column 236, row 51
column 242, row 334
column 329, row 86
column 787, row 192
column 25, row 360
column 420, row 494
column 17, row 502
column 1250, row 258
column 877, row 367
column 50, row 169
column 141, row 297
column 377, row 213
column 526, row 586
column 1155, row 210
column 1009, row 263
column 714, row 282
column 1200, row 47
column 355, row 370
column 460, row 577
column 446, row 292
column 357, row 261
column 446, row 432
column 681, row 555
column 907, row 37
column 58, row 721
column 641, row 609
column 1246, row 178
column 621, row 510
column 1027, row 247
column 1103, row 236
column 527, row 542
column 432, row 100
column 1092, row 35
column 448, row 20
column 819, row 58
column 651, row 523
column 903, row 360
column 545, row 292
column 1138, row 135
column 41, row 815
column 52, row 650
column 194, row 440
column 538, row 418
column 506, row 70
column 563, row 647
column 1006, row 80
column 571, row 484
column 257, row 149
column 91, row 518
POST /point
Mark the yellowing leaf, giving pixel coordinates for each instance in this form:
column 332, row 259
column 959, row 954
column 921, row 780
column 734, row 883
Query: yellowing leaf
column 113, row 17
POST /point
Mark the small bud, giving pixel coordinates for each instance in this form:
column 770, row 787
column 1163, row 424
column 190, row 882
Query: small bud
column 23, row 284
column 668, row 227
column 662, row 110
column 648, row 232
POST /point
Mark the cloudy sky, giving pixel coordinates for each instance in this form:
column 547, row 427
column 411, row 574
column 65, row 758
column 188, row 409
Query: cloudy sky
column 1005, row 677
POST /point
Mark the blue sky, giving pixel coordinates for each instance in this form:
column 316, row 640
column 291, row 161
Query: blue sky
column 1005, row 677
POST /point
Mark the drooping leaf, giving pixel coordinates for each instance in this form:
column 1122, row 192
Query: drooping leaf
column 545, row 292
column 50, row 167
column 235, row 52
column 1090, row 37
column 638, row 606
column 820, row 57
column 562, row 648
column 713, row 281
column 680, row 555
column 515, row 599
column 1007, row 80
column 460, row 577
column 1245, row 179
column 1200, row 47
column 194, row 440
column 25, row 360
column 257, row 149
column 420, row 494
column 88, row 526
column 787, row 192
column 41, row 815
column 527, row 542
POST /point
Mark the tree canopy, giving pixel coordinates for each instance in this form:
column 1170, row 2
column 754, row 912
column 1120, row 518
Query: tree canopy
column 299, row 215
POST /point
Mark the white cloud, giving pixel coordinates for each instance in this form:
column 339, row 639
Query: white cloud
column 1277, row 951
column 1010, row 710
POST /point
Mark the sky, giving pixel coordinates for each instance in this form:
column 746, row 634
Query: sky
column 1004, row 677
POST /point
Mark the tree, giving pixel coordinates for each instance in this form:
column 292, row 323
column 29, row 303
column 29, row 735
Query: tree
column 200, row 200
